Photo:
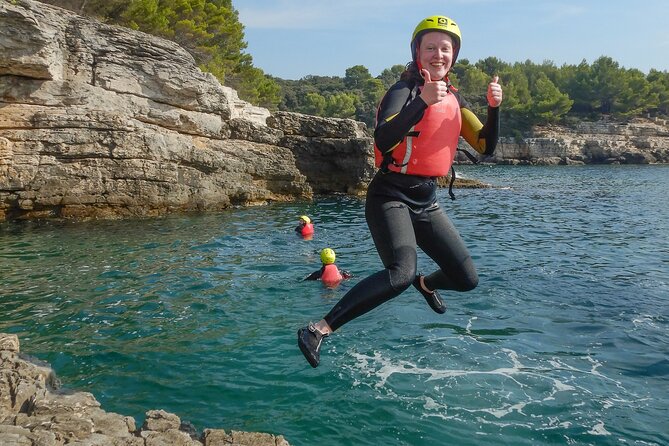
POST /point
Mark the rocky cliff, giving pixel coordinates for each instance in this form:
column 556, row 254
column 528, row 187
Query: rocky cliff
column 98, row 121
column 640, row 141
column 33, row 411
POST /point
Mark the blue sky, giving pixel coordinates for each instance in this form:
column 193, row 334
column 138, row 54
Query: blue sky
column 294, row 38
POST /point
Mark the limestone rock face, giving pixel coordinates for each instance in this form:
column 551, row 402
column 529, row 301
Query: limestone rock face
column 329, row 152
column 33, row 411
column 99, row 121
column 641, row 141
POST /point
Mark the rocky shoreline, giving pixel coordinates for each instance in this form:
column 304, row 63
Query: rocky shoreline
column 637, row 141
column 34, row 412
column 103, row 122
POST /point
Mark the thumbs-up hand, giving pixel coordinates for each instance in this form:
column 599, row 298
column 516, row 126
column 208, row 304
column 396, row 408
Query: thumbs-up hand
column 433, row 91
column 494, row 95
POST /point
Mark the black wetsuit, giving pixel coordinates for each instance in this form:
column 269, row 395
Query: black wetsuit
column 402, row 213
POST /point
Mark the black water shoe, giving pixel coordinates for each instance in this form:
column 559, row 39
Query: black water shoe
column 310, row 339
column 433, row 299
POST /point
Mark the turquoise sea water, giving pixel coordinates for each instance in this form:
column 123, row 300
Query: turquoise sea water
column 565, row 341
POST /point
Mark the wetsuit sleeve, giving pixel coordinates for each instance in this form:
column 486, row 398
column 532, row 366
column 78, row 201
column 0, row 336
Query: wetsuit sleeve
column 399, row 111
column 483, row 138
column 315, row 275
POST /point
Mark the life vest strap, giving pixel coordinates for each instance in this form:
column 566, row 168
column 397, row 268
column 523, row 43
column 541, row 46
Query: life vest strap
column 472, row 158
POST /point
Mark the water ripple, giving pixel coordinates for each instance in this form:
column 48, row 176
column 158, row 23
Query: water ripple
column 565, row 340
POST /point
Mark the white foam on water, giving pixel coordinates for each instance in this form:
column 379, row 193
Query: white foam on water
column 555, row 422
column 599, row 429
column 437, row 410
column 646, row 321
column 594, row 366
column 383, row 368
column 468, row 328
column 559, row 386
column 505, row 409
column 502, row 412
column 526, row 385
column 607, row 404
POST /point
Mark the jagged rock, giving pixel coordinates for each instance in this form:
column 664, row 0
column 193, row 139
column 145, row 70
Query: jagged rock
column 257, row 439
column 99, row 121
column 34, row 412
column 297, row 124
column 20, row 436
column 328, row 151
column 218, row 437
column 161, row 421
column 106, row 440
column 640, row 141
column 9, row 343
column 169, row 437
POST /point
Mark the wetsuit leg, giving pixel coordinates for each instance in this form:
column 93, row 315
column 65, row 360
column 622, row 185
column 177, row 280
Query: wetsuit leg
column 441, row 241
column 390, row 224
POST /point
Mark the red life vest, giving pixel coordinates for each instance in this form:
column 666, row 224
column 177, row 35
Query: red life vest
column 307, row 229
column 429, row 148
column 331, row 275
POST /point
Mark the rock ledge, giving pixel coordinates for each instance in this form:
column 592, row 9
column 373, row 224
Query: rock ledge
column 33, row 412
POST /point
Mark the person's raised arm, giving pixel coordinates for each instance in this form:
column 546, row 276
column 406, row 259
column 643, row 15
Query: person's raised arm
column 315, row 275
column 494, row 95
column 483, row 137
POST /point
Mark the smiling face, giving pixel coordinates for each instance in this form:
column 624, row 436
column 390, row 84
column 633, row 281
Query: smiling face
column 435, row 53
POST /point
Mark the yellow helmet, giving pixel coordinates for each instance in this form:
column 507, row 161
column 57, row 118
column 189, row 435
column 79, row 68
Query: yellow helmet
column 437, row 23
column 306, row 219
column 327, row 256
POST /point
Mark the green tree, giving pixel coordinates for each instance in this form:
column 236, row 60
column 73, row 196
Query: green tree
column 492, row 66
column 148, row 16
column 314, row 104
column 548, row 104
column 580, row 88
column 635, row 95
column 356, row 77
column 293, row 94
column 389, row 76
column 340, row 105
column 517, row 100
column 368, row 101
column 209, row 29
column 607, row 83
column 473, row 85
column 255, row 87
column 659, row 86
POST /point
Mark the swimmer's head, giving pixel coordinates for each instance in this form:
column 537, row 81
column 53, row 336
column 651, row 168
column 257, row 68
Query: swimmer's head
column 327, row 256
column 305, row 219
